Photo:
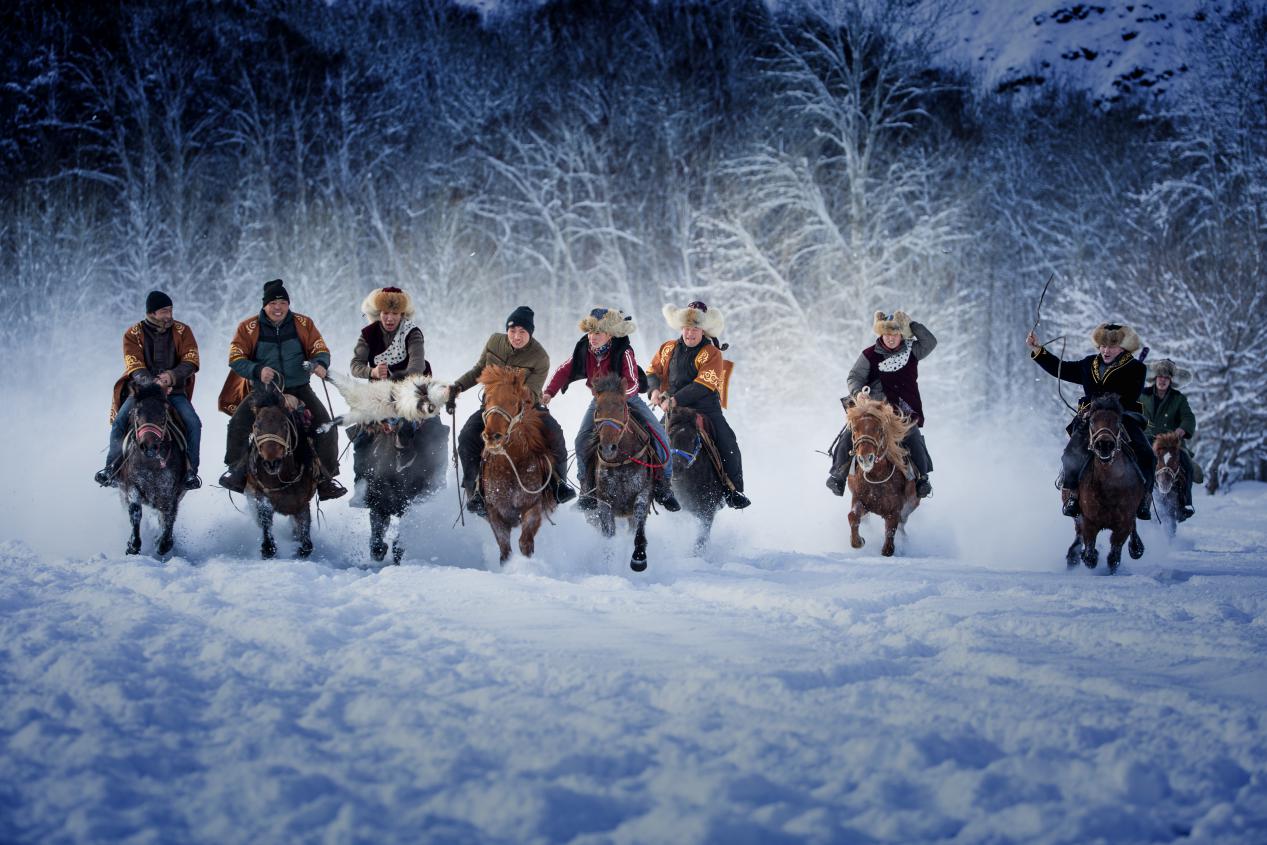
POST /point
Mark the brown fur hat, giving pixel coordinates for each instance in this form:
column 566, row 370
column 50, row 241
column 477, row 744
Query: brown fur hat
column 895, row 323
column 1168, row 368
column 387, row 299
column 608, row 321
column 1115, row 334
column 695, row 314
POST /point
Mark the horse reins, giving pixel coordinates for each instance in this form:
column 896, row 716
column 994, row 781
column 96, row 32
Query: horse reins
column 622, row 426
column 1117, row 441
column 879, row 448
column 512, row 423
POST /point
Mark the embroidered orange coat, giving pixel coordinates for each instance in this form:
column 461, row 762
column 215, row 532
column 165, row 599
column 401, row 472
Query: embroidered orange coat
column 713, row 371
column 134, row 359
column 242, row 347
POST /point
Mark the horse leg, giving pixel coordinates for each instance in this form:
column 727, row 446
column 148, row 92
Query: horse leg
column 1075, row 548
column 638, row 563
column 606, row 520
column 165, row 542
column 1090, row 554
column 890, row 529
column 704, row 533
column 264, row 518
column 855, row 519
column 398, row 548
column 501, row 532
column 134, row 515
column 378, row 527
column 303, row 528
column 530, row 523
column 1135, row 546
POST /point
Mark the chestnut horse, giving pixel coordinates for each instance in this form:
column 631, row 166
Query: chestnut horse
column 879, row 469
column 515, row 473
column 153, row 467
column 1109, row 491
column 696, row 480
column 1170, row 476
column 623, row 462
column 281, row 472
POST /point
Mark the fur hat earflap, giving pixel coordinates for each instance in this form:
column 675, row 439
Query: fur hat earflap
column 1169, row 369
column 387, row 299
column 608, row 321
column 894, row 323
column 1115, row 334
column 695, row 315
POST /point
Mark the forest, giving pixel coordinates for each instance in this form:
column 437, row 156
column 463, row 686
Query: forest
column 797, row 165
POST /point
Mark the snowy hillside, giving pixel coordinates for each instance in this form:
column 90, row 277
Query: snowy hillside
column 784, row 690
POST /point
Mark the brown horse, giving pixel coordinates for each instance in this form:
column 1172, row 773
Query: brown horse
column 281, row 474
column 623, row 462
column 1109, row 491
column 153, row 467
column 515, row 473
column 879, row 469
column 1171, row 476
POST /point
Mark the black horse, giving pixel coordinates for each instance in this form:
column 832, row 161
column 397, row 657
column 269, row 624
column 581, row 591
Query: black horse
column 696, row 481
column 400, row 463
column 152, row 471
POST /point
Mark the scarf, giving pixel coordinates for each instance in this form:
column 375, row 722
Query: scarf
column 396, row 350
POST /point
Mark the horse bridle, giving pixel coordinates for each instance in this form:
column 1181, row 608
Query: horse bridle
column 500, row 449
column 621, row 426
column 1117, row 436
column 879, row 451
column 1169, row 473
column 690, row 457
column 160, row 431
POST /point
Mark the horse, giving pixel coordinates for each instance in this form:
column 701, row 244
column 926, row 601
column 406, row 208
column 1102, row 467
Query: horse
column 281, row 471
column 1170, row 478
column 153, row 467
column 404, row 457
column 1109, row 491
column 623, row 464
column 879, row 474
column 515, row 470
column 697, row 482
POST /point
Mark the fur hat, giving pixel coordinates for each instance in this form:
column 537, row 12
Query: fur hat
column 1115, row 334
column 274, row 290
column 156, row 300
column 608, row 321
column 895, row 323
column 387, row 299
column 1168, row 368
column 695, row 315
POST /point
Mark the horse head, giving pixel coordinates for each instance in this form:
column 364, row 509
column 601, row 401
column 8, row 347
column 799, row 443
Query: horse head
column 1105, row 426
column 878, row 431
column 273, row 432
column 611, row 414
column 683, row 427
column 1166, row 447
column 506, row 400
column 150, row 427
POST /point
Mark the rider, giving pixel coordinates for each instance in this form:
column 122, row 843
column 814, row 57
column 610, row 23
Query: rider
column 157, row 350
column 270, row 348
column 1114, row 370
column 1166, row 409
column 687, row 371
column 890, row 368
column 390, row 347
column 515, row 348
column 603, row 349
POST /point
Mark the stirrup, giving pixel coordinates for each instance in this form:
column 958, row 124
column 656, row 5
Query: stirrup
column 475, row 504
column 105, row 477
column 1186, row 512
column 737, row 500
column 663, row 495
column 835, row 484
column 563, row 493
column 233, row 479
column 1069, row 502
column 923, row 487
column 192, row 481
column 328, row 488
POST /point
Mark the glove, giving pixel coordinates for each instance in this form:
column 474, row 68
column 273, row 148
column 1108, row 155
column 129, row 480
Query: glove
column 902, row 319
column 452, row 405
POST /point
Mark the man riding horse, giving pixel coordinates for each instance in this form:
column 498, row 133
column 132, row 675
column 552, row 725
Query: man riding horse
column 158, row 350
column 604, row 349
column 518, row 349
column 268, row 352
column 890, row 368
column 690, row 372
column 389, row 348
column 1166, row 409
column 1114, row 369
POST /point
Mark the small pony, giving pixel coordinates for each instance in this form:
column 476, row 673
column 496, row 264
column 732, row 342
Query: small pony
column 1109, row 491
column 879, row 474
column 152, row 470
column 281, row 471
column 697, row 480
column 1170, row 478
column 624, row 460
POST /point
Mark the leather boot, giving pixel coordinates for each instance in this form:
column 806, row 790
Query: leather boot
column 923, row 487
column 1145, row 505
column 234, row 477
column 836, row 482
column 663, row 495
column 563, row 492
column 328, row 488
column 736, row 500
column 1069, row 502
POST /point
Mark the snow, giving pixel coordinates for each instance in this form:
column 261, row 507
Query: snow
column 783, row 689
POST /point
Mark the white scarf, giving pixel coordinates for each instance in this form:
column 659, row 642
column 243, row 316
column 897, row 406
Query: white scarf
column 897, row 360
column 396, row 351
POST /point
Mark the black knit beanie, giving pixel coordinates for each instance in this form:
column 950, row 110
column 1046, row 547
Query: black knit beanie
column 275, row 290
column 522, row 317
column 156, row 300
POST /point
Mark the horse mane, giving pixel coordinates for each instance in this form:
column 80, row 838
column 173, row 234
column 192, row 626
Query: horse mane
column 506, row 386
column 609, row 383
column 893, row 426
column 149, row 391
column 1107, row 402
column 1170, row 440
column 266, row 399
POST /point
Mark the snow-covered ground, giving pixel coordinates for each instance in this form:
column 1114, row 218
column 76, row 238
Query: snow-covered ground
column 784, row 689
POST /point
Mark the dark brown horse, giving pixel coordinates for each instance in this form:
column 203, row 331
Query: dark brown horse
column 878, row 472
column 697, row 482
column 153, row 467
column 515, row 473
column 623, row 462
column 281, row 472
column 1109, row 491
column 1171, row 476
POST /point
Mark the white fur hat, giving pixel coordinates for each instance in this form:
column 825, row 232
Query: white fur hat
column 387, row 299
column 895, row 323
column 696, row 314
column 1113, row 334
column 608, row 321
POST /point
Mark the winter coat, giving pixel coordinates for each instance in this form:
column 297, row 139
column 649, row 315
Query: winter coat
column 1125, row 376
column 584, row 364
column 1167, row 414
column 691, row 375
column 374, row 340
column 140, row 357
column 900, row 386
column 532, row 359
column 258, row 343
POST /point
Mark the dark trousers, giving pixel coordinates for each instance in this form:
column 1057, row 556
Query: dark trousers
column 471, row 445
column 362, row 436
column 244, row 417
column 727, row 444
column 1078, row 451
column 914, row 443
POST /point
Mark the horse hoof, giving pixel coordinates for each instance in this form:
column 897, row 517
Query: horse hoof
column 304, row 550
column 268, row 552
column 164, row 548
column 134, row 549
column 638, row 565
column 377, row 551
column 398, row 554
column 857, row 543
column 887, row 551
column 1135, row 547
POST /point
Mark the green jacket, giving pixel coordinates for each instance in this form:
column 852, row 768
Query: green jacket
column 1167, row 414
column 532, row 358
